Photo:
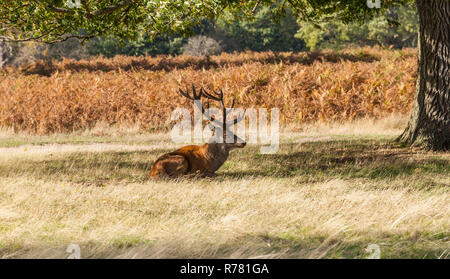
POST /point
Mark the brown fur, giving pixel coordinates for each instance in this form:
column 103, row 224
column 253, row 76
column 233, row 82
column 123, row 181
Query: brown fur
column 202, row 159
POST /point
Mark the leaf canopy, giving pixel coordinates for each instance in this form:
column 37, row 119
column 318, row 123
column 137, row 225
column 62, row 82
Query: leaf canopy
column 57, row 20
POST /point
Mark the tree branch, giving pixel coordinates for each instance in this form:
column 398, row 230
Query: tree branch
column 86, row 7
column 111, row 9
column 256, row 6
column 104, row 11
column 60, row 10
column 62, row 38
column 54, row 9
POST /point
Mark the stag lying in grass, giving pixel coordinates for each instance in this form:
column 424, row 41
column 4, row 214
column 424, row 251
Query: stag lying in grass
column 204, row 159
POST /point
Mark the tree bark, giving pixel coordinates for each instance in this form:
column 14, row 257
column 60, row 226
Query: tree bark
column 429, row 125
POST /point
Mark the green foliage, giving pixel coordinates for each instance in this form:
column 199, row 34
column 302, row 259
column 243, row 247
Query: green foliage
column 50, row 21
column 111, row 46
column 262, row 33
column 117, row 26
column 396, row 28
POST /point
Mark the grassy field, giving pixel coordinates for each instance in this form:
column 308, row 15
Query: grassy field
column 329, row 192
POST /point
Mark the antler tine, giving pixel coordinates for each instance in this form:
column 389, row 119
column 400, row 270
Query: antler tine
column 221, row 100
column 232, row 105
column 236, row 120
column 204, row 111
column 210, row 96
column 219, row 94
column 197, row 96
column 185, row 94
column 234, row 100
column 194, row 96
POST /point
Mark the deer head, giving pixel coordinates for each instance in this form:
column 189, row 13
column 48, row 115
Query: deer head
column 230, row 140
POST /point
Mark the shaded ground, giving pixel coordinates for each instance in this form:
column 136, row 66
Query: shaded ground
column 329, row 197
column 310, row 161
column 47, row 68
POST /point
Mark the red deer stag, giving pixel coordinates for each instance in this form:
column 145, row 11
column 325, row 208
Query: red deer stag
column 202, row 159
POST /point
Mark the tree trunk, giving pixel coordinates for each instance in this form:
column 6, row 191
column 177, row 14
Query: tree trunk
column 429, row 125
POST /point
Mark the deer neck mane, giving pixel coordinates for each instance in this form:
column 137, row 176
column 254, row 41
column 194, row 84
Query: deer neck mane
column 216, row 154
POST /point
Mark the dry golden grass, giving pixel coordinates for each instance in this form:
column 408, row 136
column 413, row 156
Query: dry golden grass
column 329, row 192
column 336, row 185
column 141, row 91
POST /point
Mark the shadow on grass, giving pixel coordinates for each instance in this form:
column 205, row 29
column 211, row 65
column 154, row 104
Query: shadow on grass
column 319, row 161
column 244, row 246
column 47, row 68
column 92, row 168
column 307, row 162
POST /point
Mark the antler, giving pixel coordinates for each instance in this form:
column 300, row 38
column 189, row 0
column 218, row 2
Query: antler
column 194, row 97
column 197, row 97
column 218, row 96
column 215, row 96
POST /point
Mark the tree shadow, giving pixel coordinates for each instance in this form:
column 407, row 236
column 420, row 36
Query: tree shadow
column 343, row 159
column 87, row 168
column 247, row 245
column 307, row 162
column 162, row 63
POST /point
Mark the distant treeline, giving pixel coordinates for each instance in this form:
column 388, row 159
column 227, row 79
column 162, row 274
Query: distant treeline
column 395, row 29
